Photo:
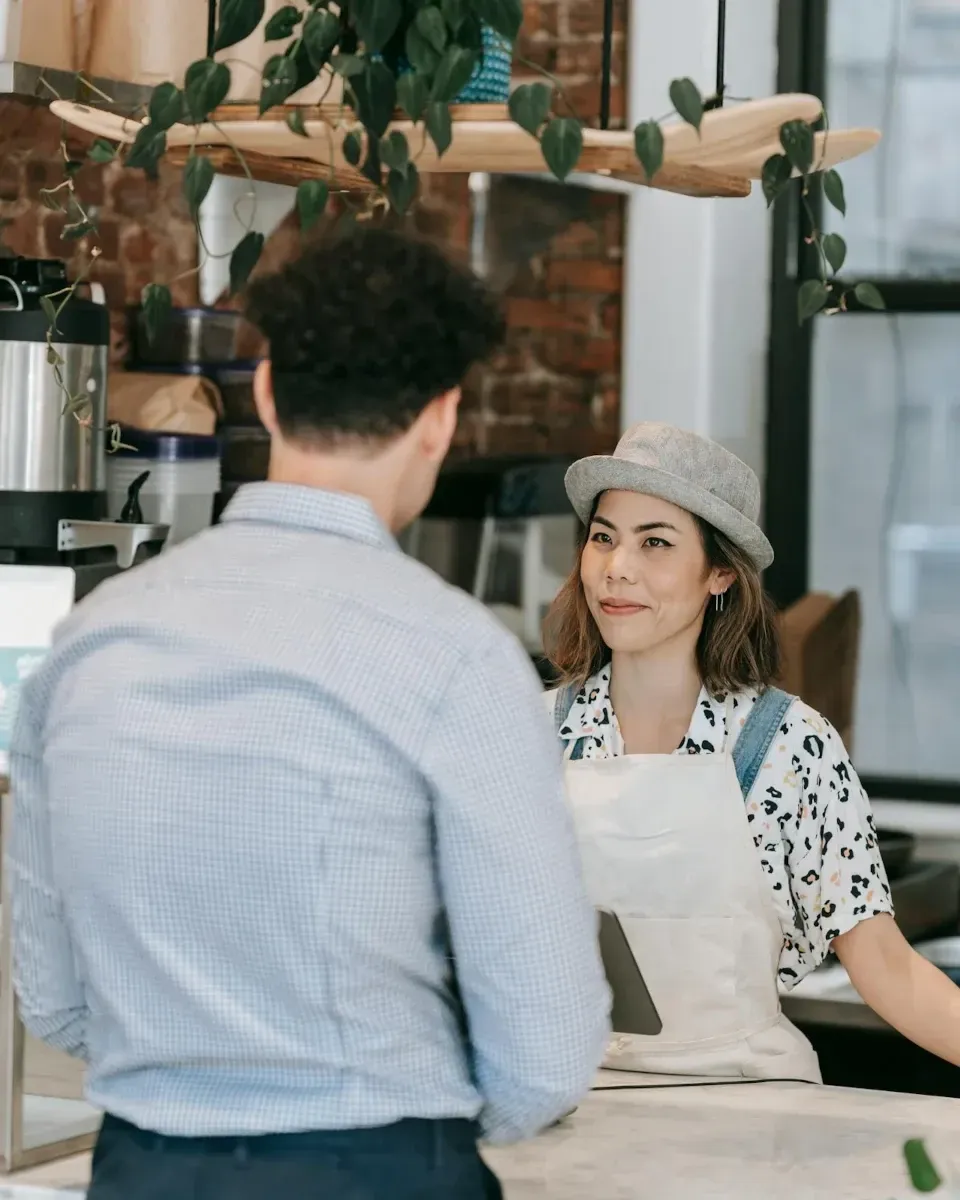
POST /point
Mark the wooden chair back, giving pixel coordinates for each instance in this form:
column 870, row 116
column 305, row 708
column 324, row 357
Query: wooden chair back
column 821, row 647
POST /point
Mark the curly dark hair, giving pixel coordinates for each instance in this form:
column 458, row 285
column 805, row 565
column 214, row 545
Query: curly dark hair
column 365, row 328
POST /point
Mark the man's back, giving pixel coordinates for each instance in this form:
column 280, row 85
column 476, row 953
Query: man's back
column 275, row 766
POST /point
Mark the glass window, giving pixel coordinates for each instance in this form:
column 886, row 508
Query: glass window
column 885, row 519
column 895, row 65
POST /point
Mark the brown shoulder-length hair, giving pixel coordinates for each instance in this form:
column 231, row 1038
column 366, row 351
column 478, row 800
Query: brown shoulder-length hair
column 738, row 647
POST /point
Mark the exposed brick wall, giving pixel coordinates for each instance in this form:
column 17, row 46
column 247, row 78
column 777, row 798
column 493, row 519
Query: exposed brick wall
column 554, row 253
column 145, row 229
column 564, row 37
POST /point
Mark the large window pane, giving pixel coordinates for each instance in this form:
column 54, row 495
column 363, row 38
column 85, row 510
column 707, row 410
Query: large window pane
column 895, row 65
column 885, row 518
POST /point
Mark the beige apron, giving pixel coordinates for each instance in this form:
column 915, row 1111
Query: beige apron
column 666, row 846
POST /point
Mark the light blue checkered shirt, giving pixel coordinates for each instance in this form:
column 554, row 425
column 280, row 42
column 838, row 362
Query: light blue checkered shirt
column 253, row 783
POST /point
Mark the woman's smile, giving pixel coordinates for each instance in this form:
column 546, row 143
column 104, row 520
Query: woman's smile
column 612, row 607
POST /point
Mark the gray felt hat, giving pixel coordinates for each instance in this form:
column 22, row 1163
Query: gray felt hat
column 687, row 470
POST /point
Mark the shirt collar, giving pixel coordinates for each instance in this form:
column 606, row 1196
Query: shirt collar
column 591, row 715
column 295, row 507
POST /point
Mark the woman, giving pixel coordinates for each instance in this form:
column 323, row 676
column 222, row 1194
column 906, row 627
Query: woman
column 719, row 818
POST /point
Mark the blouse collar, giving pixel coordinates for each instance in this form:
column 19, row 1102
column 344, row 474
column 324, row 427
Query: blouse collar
column 591, row 715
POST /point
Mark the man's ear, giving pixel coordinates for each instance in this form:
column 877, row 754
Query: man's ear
column 263, row 397
column 438, row 423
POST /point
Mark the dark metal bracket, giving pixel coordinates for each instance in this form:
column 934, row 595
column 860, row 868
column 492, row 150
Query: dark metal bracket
column 715, row 101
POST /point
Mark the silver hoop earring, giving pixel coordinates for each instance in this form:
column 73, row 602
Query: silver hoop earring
column 718, row 602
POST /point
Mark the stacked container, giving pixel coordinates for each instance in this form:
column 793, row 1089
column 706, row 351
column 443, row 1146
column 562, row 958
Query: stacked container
column 189, row 473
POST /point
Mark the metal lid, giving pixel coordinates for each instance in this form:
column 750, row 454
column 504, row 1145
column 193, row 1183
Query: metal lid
column 24, row 282
column 160, row 447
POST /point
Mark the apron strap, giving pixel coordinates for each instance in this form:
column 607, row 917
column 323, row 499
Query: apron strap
column 754, row 741
column 561, row 709
column 755, row 738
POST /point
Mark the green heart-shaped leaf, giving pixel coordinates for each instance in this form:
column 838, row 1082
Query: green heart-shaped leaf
column 529, row 106
column 811, row 298
column 295, row 123
column 148, row 148
column 686, row 99
column 376, row 97
column 796, row 138
column 420, row 54
column 454, row 13
column 197, row 178
column 561, row 143
column 412, row 94
column 776, row 175
column 166, row 106
column 439, row 126
column 238, row 19
column 321, row 32
column 402, row 187
column 205, row 87
column 432, row 27
column 869, row 296
column 102, row 151
column 353, row 148
column 648, row 144
column 376, row 21
column 279, row 81
column 453, row 73
column 282, row 24
column 50, row 312
column 394, row 151
column 833, row 190
column 245, row 256
column 834, row 251
column 348, row 65
column 312, row 196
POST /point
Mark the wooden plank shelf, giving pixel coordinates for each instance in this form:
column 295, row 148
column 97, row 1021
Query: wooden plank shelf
column 721, row 159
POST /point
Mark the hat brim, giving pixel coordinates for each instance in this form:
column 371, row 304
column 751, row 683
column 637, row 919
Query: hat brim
column 587, row 478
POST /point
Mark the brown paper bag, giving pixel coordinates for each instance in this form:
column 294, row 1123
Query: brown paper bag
column 46, row 34
column 167, row 403
column 142, row 41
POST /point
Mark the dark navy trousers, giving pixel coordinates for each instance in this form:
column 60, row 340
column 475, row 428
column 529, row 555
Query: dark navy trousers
column 412, row 1160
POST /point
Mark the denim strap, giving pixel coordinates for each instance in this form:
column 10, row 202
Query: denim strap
column 758, row 733
column 565, row 698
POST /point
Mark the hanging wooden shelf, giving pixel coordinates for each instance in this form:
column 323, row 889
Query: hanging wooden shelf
column 722, row 160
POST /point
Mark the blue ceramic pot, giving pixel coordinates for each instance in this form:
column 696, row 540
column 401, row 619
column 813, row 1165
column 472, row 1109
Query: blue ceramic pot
column 490, row 83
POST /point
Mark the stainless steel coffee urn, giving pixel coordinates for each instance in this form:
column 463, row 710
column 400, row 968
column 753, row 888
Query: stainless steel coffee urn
column 53, row 502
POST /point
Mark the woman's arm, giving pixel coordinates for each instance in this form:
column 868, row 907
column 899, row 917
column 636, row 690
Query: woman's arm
column 901, row 986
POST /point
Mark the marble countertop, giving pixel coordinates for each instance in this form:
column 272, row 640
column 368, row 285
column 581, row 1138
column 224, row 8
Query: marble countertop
column 742, row 1142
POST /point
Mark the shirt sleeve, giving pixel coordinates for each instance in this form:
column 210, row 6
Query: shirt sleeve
column 837, row 876
column 51, row 998
column 523, row 933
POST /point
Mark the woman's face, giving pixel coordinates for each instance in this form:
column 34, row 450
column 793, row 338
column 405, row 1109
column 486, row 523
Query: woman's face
column 645, row 573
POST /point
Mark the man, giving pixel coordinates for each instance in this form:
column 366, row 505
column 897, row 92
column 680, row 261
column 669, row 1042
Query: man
column 269, row 786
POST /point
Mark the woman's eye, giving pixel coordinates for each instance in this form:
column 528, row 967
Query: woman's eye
column 601, row 537
column 656, row 543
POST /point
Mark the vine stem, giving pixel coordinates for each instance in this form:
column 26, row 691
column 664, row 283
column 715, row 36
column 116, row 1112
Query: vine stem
column 554, row 81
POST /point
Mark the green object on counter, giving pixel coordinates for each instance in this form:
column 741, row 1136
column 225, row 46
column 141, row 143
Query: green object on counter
column 923, row 1174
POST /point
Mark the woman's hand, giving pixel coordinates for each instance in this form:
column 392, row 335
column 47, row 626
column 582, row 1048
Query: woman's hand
column 901, row 986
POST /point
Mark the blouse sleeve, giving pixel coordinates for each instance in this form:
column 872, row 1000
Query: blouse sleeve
column 836, row 873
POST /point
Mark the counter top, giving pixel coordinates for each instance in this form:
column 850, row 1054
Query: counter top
column 740, row 1142
column 791, row 1141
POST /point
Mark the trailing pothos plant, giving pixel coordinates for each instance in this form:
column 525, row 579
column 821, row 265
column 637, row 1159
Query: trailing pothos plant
column 416, row 56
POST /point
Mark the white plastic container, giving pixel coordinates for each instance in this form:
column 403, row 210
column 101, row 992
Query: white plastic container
column 183, row 483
